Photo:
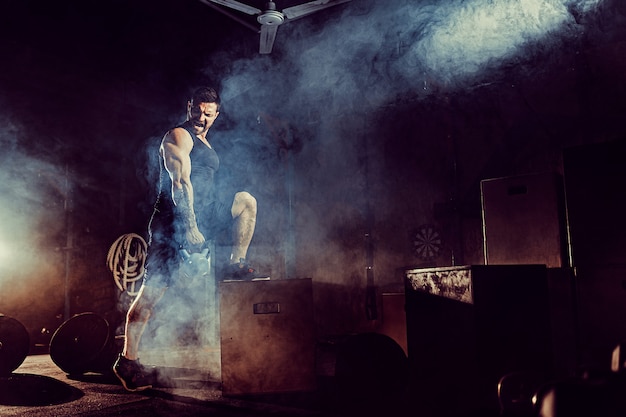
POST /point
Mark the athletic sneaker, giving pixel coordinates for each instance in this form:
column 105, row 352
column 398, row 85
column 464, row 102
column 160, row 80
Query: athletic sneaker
column 132, row 374
column 242, row 271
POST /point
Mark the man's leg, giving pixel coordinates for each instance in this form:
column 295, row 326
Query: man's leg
column 137, row 318
column 244, row 211
column 129, row 371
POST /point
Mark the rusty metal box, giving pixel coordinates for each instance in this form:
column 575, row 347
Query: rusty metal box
column 468, row 326
column 267, row 336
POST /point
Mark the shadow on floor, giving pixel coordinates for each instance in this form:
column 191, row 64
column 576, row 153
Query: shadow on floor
column 35, row 390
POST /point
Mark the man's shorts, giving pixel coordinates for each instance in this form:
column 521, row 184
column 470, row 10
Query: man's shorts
column 167, row 239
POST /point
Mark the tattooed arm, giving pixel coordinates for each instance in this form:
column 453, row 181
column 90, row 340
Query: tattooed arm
column 175, row 149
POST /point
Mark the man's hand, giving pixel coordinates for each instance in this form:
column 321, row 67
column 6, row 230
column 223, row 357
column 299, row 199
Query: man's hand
column 195, row 239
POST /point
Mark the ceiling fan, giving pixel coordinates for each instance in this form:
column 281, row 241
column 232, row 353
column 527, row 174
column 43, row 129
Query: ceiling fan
column 270, row 18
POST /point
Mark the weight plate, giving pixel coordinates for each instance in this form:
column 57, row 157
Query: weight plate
column 14, row 344
column 77, row 343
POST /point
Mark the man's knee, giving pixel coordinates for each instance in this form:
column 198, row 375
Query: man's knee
column 143, row 306
column 139, row 313
column 244, row 202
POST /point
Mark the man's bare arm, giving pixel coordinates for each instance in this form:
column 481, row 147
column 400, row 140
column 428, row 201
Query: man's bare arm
column 176, row 148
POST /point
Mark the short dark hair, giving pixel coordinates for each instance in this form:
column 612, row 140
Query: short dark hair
column 206, row 95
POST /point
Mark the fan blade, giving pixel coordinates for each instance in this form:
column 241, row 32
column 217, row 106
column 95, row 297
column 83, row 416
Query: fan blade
column 232, row 16
column 268, row 35
column 236, row 5
column 305, row 9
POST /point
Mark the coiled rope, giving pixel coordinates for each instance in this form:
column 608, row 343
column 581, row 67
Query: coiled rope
column 126, row 259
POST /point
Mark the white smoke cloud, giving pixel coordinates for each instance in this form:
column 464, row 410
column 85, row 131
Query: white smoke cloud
column 373, row 54
column 374, row 51
column 362, row 57
column 463, row 36
column 31, row 232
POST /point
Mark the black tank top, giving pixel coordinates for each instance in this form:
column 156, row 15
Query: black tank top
column 204, row 165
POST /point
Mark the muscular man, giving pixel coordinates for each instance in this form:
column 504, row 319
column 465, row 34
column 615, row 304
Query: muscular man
column 186, row 213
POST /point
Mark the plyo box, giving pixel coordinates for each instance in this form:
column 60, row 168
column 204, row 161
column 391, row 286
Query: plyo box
column 267, row 338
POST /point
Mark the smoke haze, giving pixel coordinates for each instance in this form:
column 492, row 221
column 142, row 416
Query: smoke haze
column 331, row 76
column 376, row 51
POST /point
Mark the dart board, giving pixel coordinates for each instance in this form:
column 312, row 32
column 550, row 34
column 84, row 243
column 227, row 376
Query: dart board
column 426, row 242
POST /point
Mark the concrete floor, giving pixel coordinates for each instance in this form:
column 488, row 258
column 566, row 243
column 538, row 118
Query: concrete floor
column 190, row 384
column 193, row 383
column 40, row 388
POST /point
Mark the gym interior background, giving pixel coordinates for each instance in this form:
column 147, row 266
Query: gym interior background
column 381, row 139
